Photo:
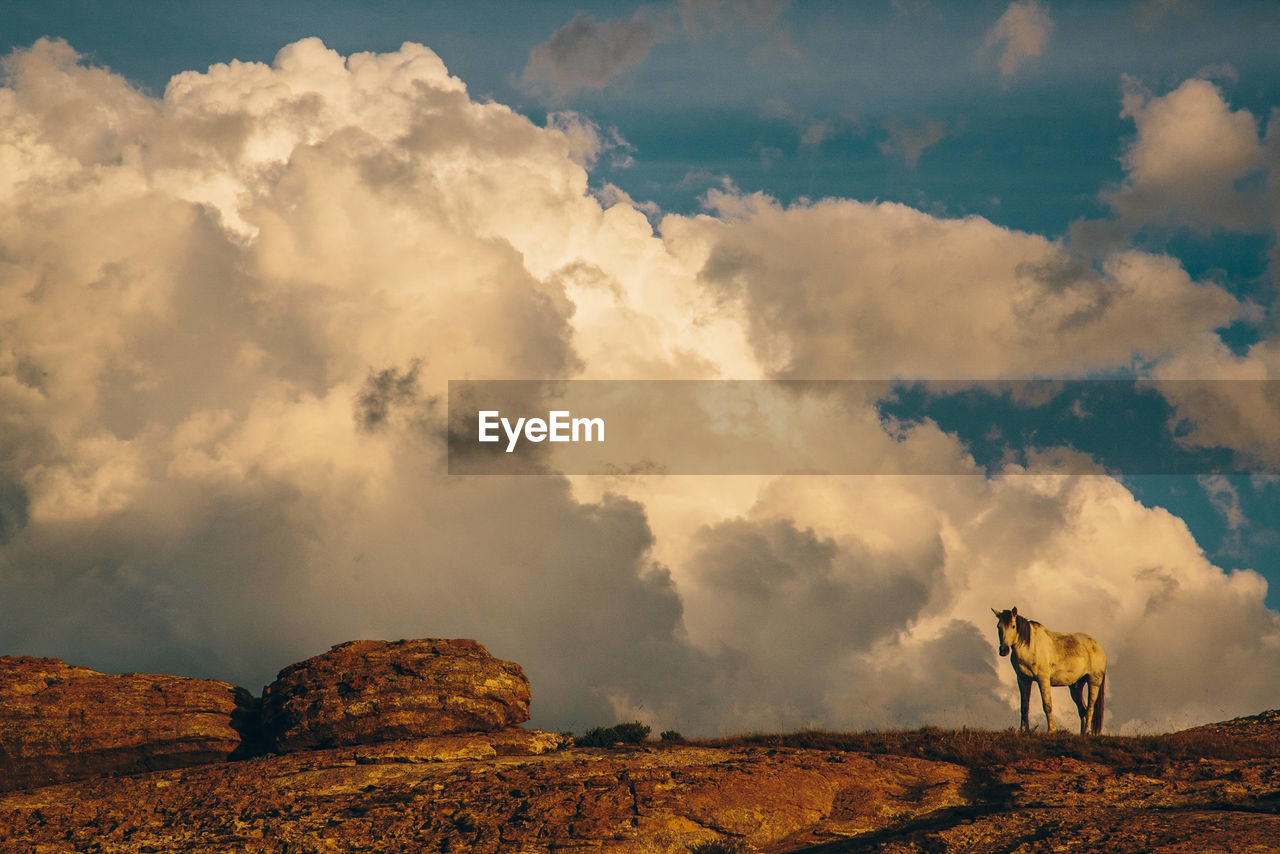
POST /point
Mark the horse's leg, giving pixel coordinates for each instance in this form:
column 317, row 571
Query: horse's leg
column 1078, row 694
column 1095, row 684
column 1046, row 698
column 1024, row 693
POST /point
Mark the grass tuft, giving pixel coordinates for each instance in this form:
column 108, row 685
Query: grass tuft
column 976, row 748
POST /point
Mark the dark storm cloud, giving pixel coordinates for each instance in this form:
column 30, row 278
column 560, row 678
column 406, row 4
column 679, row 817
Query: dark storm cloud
column 382, row 391
column 587, row 54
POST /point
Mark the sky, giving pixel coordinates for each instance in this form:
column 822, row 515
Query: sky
column 244, row 247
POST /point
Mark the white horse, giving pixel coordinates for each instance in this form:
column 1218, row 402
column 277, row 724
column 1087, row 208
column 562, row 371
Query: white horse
column 1054, row 658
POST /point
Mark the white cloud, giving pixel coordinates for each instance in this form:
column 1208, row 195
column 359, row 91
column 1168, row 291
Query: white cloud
column 864, row 601
column 1024, row 30
column 1186, row 162
column 201, row 296
column 847, row 289
column 1077, row 553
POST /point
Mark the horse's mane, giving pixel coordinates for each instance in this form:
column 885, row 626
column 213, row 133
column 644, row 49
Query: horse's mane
column 1024, row 629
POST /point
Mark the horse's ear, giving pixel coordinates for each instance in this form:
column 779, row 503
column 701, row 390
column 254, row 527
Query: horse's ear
column 1014, row 612
column 997, row 613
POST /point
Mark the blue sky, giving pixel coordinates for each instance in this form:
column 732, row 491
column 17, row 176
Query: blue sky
column 1042, row 232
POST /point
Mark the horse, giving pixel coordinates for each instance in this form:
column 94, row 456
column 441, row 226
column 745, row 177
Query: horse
column 1054, row 658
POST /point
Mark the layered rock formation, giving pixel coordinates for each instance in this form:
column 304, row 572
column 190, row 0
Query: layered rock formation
column 364, row 692
column 59, row 722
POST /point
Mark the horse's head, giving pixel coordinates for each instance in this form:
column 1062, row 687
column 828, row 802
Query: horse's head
column 1006, row 629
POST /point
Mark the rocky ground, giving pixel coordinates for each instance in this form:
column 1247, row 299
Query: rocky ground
column 514, row 791
column 1211, row 789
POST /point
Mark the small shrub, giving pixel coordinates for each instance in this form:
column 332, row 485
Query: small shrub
column 628, row 733
column 631, row 733
column 593, row 738
column 671, row 735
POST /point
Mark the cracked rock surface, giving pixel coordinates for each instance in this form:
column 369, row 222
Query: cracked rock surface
column 515, row 790
column 505, row 791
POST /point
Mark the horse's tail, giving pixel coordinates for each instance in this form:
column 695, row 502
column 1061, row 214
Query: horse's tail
column 1098, row 705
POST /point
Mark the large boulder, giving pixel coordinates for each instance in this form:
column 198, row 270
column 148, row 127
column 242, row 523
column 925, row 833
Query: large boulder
column 59, row 722
column 363, row 692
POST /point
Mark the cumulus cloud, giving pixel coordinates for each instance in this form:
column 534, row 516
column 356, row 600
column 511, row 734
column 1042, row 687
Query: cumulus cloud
column 227, row 320
column 1023, row 30
column 841, row 288
column 1082, row 549
column 865, row 602
column 1186, row 164
column 212, row 468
